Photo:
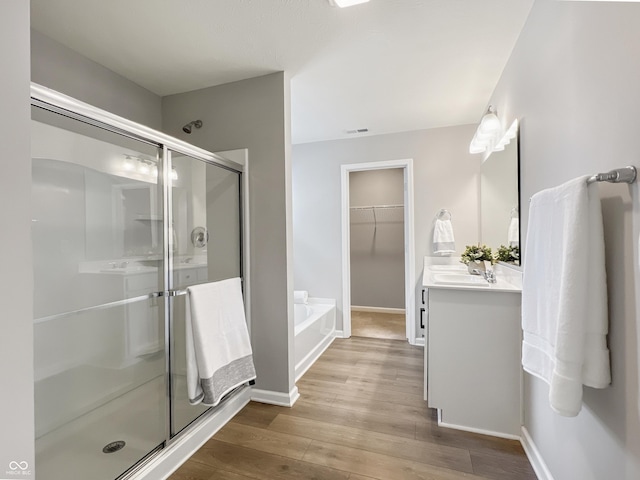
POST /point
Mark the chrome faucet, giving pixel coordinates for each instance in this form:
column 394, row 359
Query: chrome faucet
column 488, row 275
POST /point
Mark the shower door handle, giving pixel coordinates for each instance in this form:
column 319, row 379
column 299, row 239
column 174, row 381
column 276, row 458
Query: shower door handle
column 170, row 293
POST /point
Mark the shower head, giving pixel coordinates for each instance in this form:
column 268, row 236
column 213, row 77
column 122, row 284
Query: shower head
column 195, row 123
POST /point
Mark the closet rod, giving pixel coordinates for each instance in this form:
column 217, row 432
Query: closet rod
column 619, row 175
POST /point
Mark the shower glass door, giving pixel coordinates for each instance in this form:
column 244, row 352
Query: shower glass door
column 99, row 328
column 206, row 247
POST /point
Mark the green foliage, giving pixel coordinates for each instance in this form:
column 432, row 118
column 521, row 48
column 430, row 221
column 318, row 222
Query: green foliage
column 477, row 253
column 509, row 254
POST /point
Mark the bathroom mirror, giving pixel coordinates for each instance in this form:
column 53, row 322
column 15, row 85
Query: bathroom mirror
column 499, row 198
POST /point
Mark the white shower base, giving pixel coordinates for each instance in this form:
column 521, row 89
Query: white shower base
column 74, row 450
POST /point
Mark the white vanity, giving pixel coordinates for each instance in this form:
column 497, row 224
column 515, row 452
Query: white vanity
column 473, row 343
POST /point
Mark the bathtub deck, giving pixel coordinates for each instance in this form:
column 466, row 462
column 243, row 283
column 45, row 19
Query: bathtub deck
column 360, row 416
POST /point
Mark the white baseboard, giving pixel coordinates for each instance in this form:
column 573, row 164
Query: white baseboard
column 355, row 308
column 340, row 334
column 534, row 456
column 276, row 398
column 419, row 342
column 313, row 355
column 169, row 459
column 475, row 430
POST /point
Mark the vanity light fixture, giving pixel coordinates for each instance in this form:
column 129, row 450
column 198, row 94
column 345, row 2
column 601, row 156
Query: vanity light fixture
column 487, row 134
column 509, row 135
column 144, row 168
column 129, row 164
column 346, row 3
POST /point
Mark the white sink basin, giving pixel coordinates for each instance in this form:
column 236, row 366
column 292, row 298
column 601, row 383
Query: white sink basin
column 448, row 268
column 460, row 279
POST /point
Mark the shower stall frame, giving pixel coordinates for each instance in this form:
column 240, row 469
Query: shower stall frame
column 176, row 448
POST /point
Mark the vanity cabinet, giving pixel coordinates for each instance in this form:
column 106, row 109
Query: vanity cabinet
column 472, row 360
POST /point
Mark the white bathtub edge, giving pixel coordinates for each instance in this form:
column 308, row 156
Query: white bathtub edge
column 313, row 355
column 321, row 301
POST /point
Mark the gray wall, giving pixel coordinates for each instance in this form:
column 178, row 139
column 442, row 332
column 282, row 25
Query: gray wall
column 573, row 80
column 445, row 176
column 253, row 114
column 55, row 66
column 377, row 243
column 16, row 283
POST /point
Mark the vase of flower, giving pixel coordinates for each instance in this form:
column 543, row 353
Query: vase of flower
column 476, row 268
column 474, row 257
column 510, row 254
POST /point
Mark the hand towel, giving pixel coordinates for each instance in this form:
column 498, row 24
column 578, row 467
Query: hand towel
column 300, row 296
column 513, row 235
column 219, row 356
column 443, row 240
column 564, row 296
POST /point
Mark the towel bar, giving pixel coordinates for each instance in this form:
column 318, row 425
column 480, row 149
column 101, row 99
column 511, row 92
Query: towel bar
column 619, row 175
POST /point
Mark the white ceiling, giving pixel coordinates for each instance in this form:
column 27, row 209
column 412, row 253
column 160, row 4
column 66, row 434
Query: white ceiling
column 387, row 65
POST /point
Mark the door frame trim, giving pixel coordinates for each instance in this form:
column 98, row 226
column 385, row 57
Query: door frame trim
column 409, row 242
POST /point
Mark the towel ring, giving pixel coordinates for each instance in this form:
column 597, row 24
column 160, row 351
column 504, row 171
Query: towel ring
column 444, row 214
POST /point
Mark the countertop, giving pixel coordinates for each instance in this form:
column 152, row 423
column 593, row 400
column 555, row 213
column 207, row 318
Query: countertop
column 508, row 279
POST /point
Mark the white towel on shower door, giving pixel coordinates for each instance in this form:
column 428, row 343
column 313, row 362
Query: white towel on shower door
column 219, row 356
column 564, row 295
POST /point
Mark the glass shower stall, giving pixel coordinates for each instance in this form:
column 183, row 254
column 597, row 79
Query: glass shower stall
column 123, row 221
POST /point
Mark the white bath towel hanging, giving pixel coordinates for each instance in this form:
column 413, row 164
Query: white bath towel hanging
column 219, row 356
column 513, row 235
column 564, row 296
column 443, row 239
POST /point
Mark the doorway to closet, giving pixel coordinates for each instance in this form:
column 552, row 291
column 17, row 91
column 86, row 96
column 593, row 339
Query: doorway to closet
column 378, row 253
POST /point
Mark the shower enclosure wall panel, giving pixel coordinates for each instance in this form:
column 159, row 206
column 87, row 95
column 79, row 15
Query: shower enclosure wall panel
column 98, row 334
column 205, row 214
column 121, row 226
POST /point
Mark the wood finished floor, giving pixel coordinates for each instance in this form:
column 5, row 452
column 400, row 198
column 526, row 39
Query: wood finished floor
column 378, row 325
column 360, row 416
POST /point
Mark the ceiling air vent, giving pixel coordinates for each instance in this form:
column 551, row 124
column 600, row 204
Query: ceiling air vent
column 358, row 130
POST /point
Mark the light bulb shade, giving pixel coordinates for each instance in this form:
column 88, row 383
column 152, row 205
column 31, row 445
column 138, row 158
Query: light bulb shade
column 489, row 125
column 144, row 168
column 490, row 137
column 476, row 148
